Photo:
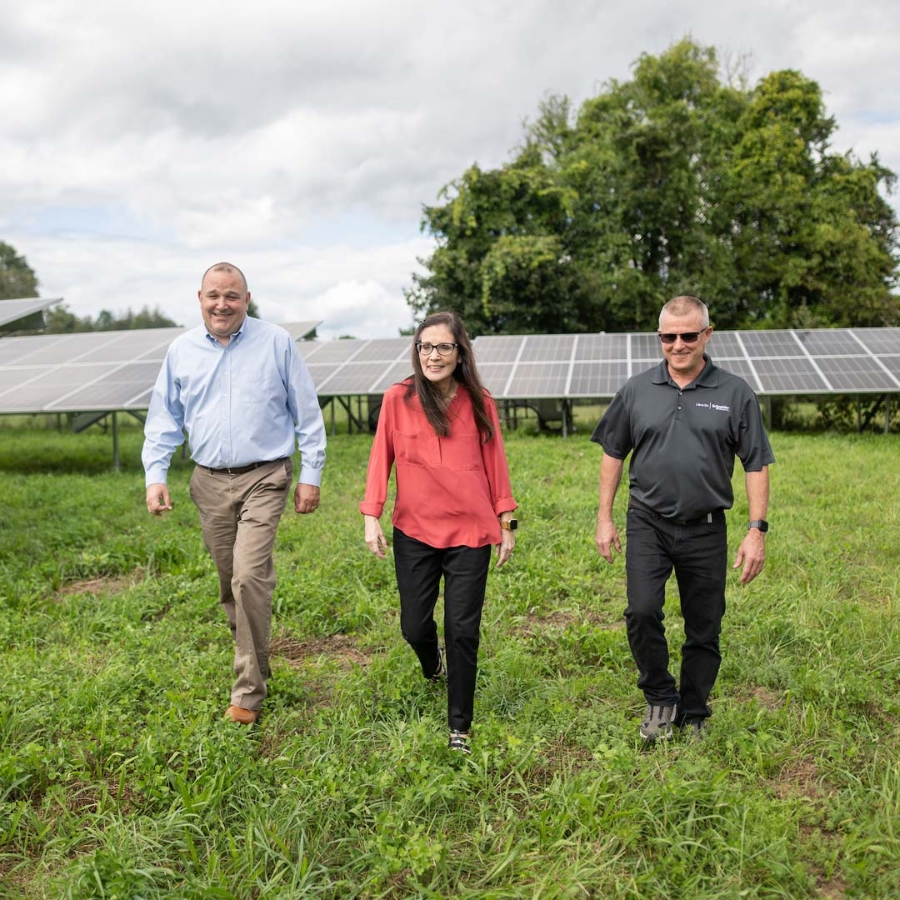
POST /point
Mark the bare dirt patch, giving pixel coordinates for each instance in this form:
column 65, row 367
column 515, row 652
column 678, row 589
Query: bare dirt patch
column 110, row 584
column 565, row 618
column 339, row 647
column 800, row 778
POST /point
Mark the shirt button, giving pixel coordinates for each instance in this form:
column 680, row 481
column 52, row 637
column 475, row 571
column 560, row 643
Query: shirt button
column 679, row 407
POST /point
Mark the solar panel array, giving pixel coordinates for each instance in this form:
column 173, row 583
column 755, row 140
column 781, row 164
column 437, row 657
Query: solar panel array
column 13, row 310
column 96, row 371
column 569, row 366
column 104, row 371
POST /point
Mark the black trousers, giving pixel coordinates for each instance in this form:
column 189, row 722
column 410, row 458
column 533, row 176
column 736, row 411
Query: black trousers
column 464, row 570
column 698, row 553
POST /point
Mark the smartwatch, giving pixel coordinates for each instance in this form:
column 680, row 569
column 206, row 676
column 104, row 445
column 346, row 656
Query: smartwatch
column 511, row 525
column 761, row 524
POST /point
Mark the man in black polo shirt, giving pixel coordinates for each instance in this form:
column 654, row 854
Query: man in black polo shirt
column 683, row 422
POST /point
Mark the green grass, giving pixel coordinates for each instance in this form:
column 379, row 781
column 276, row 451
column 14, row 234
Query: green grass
column 118, row 778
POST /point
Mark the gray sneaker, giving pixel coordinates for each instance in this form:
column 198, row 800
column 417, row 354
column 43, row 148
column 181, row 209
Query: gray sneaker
column 694, row 729
column 657, row 724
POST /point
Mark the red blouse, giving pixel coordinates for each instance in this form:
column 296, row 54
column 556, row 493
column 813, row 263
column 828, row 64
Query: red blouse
column 450, row 490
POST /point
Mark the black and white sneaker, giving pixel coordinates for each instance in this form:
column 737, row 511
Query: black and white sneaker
column 459, row 741
column 657, row 724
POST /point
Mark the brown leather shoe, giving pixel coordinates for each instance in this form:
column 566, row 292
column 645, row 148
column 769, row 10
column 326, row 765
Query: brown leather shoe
column 242, row 716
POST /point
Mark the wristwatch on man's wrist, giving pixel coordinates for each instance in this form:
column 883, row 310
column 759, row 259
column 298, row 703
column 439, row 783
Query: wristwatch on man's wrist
column 509, row 524
column 761, row 524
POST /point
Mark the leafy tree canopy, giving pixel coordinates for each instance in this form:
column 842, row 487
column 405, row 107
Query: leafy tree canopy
column 676, row 181
column 17, row 280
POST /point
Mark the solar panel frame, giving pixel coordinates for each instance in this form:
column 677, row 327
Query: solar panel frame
column 23, row 307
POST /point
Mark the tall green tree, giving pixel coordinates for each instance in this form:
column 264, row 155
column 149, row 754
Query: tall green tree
column 17, row 279
column 61, row 320
column 673, row 182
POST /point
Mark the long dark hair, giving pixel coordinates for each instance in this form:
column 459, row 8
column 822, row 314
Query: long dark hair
column 465, row 373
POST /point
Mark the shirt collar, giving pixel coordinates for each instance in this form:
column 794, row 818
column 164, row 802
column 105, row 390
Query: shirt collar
column 708, row 377
column 239, row 333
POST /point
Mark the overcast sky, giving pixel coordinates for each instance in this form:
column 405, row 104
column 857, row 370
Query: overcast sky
column 140, row 143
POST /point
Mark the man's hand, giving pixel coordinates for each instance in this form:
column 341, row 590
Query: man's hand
column 606, row 538
column 751, row 555
column 158, row 500
column 306, row 498
column 375, row 539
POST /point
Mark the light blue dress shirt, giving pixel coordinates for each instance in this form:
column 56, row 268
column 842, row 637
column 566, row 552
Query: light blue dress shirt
column 250, row 401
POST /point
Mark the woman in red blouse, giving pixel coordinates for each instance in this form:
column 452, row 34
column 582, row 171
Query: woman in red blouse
column 454, row 500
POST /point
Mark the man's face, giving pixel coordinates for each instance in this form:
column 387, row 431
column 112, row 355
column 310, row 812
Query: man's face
column 223, row 303
column 684, row 358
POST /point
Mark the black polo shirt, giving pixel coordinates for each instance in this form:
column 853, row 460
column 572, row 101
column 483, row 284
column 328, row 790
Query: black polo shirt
column 684, row 440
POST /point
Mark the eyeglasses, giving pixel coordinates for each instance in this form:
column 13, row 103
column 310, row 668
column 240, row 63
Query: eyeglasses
column 442, row 349
column 688, row 337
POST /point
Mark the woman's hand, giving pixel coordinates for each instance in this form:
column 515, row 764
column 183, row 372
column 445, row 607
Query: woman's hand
column 375, row 539
column 506, row 546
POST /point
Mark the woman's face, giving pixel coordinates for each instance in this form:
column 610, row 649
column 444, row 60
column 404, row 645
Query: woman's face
column 437, row 367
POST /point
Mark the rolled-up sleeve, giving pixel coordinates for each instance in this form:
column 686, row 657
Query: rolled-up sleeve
column 496, row 467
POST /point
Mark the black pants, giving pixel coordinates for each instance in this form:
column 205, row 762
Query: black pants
column 698, row 554
column 465, row 570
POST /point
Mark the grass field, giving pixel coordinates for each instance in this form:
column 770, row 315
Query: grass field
column 119, row 779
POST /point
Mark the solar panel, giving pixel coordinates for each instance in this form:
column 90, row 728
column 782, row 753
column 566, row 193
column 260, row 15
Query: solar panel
column 353, row 378
column 329, row 352
column 879, row 340
column 497, row 349
column 13, row 310
column 725, row 345
column 771, row 343
column 645, row 346
column 384, row 350
column 789, row 376
column 547, row 348
column 397, row 372
column 494, row 377
column 537, row 380
column 829, row 343
column 743, row 368
column 597, row 379
column 116, row 390
column 601, row 347
column 852, row 374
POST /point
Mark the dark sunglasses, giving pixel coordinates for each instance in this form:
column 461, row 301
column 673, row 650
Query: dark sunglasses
column 689, row 337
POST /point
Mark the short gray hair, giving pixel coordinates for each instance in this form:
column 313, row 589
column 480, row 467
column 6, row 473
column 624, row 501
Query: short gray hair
column 228, row 268
column 684, row 305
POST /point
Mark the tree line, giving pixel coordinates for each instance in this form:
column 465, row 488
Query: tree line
column 676, row 181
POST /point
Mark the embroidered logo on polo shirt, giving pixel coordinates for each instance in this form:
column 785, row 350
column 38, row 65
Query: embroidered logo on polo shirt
column 716, row 407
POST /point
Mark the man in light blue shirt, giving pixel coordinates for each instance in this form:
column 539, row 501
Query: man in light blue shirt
column 241, row 390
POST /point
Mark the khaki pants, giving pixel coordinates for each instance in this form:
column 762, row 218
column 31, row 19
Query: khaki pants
column 239, row 516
